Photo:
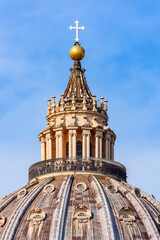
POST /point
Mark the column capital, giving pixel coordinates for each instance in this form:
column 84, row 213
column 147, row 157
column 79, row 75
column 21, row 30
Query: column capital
column 43, row 139
column 113, row 140
column 58, row 134
column 49, row 136
column 86, row 131
column 99, row 133
column 107, row 136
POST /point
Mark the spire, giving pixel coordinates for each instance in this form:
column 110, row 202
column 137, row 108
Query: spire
column 77, row 85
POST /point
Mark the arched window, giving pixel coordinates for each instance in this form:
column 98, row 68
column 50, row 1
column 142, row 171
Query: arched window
column 67, row 147
column 79, row 149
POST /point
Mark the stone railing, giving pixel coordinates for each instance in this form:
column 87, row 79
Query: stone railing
column 97, row 166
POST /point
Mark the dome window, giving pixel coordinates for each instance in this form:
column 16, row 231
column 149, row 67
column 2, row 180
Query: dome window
column 22, row 193
column 126, row 216
column 82, row 214
column 36, row 216
column 2, row 220
column 49, row 188
column 137, row 192
column 81, row 187
column 112, row 188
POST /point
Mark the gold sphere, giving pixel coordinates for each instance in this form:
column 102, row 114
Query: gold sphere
column 77, row 52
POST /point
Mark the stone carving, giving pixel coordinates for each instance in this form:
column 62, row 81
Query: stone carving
column 60, row 121
column 126, row 216
column 112, row 188
column 81, row 187
column 3, row 198
column 72, row 120
column 85, row 121
column 73, row 102
column 36, row 216
column 51, row 122
column 95, row 122
column 49, row 188
column 104, row 123
column 82, row 214
column 84, row 108
column 22, row 193
column 2, row 220
column 94, row 103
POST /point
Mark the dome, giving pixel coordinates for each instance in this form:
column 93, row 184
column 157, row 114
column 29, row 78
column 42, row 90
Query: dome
column 78, row 191
column 79, row 206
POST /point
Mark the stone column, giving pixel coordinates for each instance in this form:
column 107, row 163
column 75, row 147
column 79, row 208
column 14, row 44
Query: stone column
column 112, row 148
column 107, row 148
column 86, row 142
column 100, row 147
column 84, row 146
column 70, row 144
column 49, row 145
column 98, row 139
column 43, row 149
column 59, row 143
column 74, row 134
column 97, row 146
column 72, row 141
column 50, row 148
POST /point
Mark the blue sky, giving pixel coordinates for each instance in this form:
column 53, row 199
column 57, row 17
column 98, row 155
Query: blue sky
column 122, row 44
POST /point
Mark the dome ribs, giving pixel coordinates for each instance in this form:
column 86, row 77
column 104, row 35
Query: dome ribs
column 119, row 201
column 115, row 204
column 150, row 207
column 12, row 224
column 80, row 230
column 144, row 215
column 12, row 196
column 108, row 224
column 105, row 205
column 149, row 198
column 58, row 219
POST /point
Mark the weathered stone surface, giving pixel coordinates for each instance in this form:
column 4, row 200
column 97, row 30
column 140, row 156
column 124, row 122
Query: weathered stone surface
column 103, row 213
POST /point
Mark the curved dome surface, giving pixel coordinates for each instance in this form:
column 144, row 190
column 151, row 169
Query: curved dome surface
column 79, row 206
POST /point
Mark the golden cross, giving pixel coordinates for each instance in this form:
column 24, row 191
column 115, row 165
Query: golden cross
column 76, row 27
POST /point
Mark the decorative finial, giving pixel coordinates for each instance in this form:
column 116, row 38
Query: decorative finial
column 76, row 27
column 77, row 52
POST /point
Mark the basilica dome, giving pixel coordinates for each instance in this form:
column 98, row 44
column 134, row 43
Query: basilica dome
column 78, row 191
